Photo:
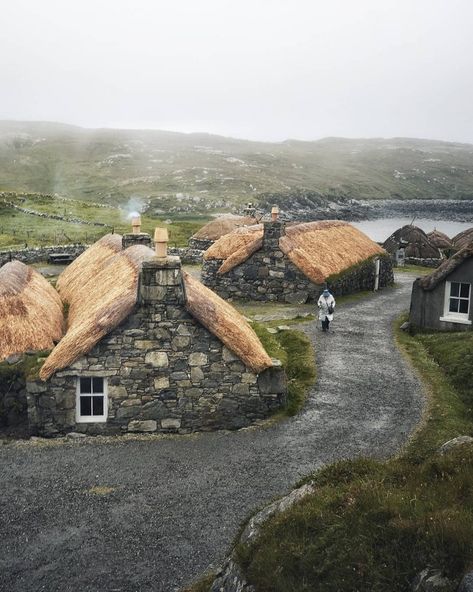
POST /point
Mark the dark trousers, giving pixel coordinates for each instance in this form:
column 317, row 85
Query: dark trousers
column 325, row 324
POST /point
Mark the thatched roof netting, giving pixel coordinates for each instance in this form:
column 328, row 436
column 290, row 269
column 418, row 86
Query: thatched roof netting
column 226, row 323
column 415, row 242
column 222, row 225
column 84, row 268
column 31, row 312
column 432, row 280
column 463, row 239
column 439, row 239
column 327, row 248
column 99, row 306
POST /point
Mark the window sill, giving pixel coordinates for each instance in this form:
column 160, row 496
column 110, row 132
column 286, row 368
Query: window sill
column 454, row 319
column 98, row 419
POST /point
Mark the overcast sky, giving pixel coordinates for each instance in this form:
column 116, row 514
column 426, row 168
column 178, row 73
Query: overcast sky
column 258, row 69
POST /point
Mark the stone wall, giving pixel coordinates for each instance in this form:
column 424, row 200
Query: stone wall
column 165, row 373
column 36, row 255
column 200, row 244
column 268, row 275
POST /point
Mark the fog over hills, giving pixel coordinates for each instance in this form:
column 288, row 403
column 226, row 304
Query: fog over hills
column 208, row 172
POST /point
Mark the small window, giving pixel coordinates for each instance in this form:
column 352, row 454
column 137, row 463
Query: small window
column 457, row 302
column 91, row 399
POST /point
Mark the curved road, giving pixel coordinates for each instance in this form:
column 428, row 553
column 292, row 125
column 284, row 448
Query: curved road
column 176, row 503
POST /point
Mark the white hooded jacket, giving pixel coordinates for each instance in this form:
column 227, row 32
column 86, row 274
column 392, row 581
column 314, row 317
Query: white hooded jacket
column 324, row 304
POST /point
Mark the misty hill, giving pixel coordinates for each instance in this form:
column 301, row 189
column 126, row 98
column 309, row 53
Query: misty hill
column 179, row 172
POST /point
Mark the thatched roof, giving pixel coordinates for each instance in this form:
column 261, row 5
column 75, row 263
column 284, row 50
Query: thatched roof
column 327, row 248
column 429, row 282
column 98, row 306
column 222, row 225
column 107, row 296
column 226, row 323
column 463, row 238
column 239, row 244
column 439, row 239
column 82, row 269
column 318, row 249
column 31, row 312
column 414, row 240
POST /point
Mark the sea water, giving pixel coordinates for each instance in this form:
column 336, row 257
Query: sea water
column 379, row 230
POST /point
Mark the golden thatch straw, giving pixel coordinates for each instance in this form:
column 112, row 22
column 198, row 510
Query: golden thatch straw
column 98, row 307
column 323, row 249
column 226, row 323
column 31, row 312
column 232, row 243
column 84, row 268
column 439, row 239
column 222, row 225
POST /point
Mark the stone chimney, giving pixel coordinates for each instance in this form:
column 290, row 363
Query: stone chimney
column 273, row 230
column 136, row 237
column 161, row 283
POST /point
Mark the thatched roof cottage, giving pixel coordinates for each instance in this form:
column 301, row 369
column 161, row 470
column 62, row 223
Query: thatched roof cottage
column 463, row 239
column 292, row 263
column 440, row 240
column 411, row 245
column 217, row 228
column 148, row 348
column 31, row 316
column 442, row 300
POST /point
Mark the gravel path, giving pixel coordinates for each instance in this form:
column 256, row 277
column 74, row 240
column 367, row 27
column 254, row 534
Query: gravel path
column 176, row 503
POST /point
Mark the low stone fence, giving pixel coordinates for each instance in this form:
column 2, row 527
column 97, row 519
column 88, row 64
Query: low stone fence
column 424, row 262
column 36, row 255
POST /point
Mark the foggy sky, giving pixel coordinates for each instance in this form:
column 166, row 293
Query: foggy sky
column 258, row 69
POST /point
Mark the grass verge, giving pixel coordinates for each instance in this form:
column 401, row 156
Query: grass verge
column 295, row 351
column 374, row 525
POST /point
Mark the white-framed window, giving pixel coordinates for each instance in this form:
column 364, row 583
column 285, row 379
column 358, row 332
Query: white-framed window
column 457, row 302
column 91, row 399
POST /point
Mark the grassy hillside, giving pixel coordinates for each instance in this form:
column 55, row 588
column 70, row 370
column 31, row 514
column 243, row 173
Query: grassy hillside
column 200, row 172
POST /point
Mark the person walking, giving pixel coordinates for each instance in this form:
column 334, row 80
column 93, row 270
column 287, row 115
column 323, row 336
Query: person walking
column 326, row 304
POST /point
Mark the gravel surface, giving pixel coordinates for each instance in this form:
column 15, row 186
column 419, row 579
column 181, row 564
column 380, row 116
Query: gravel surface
column 175, row 505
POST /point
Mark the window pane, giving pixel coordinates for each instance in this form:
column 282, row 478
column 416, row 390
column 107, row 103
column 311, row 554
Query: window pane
column 97, row 384
column 85, row 385
column 98, row 405
column 454, row 289
column 465, row 290
column 464, row 306
column 453, row 305
column 86, row 406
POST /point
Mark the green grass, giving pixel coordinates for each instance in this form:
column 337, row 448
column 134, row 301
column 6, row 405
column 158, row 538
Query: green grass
column 294, row 350
column 372, row 526
column 18, row 228
column 419, row 269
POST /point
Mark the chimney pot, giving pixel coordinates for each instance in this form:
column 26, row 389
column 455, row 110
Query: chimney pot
column 161, row 242
column 136, row 224
column 274, row 213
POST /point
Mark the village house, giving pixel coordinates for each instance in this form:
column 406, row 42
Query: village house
column 147, row 348
column 275, row 261
column 463, row 239
column 410, row 245
column 442, row 300
column 440, row 240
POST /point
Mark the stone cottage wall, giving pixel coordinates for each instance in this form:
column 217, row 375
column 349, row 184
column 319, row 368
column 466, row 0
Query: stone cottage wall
column 268, row 275
column 165, row 373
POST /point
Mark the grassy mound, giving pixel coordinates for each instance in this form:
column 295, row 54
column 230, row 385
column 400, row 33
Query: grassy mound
column 373, row 525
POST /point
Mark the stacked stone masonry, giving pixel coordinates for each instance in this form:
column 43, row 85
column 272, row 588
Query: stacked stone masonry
column 268, row 275
column 165, row 373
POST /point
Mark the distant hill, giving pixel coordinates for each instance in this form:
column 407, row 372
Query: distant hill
column 200, row 172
